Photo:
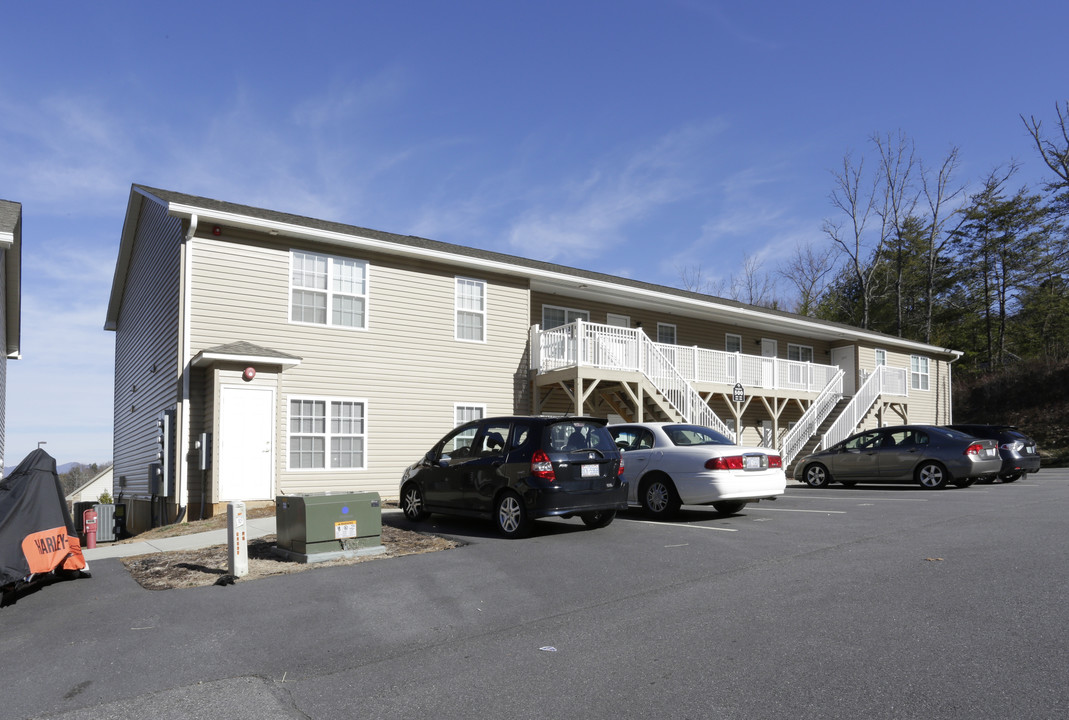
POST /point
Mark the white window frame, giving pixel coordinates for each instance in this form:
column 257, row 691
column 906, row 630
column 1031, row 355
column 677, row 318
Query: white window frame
column 329, row 293
column 459, row 310
column 458, row 421
column 675, row 336
column 919, row 379
column 728, row 337
column 797, row 349
column 880, row 356
column 570, row 315
column 328, row 433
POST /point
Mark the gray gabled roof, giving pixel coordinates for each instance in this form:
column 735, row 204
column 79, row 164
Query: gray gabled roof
column 551, row 277
column 11, row 243
column 243, row 352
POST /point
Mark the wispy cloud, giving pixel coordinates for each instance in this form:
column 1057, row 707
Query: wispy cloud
column 584, row 215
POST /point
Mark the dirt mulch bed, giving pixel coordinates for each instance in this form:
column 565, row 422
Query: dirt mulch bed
column 209, row 566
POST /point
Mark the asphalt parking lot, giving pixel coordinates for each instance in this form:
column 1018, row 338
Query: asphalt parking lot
column 870, row 602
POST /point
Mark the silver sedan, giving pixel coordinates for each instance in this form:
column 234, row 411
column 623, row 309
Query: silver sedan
column 929, row 455
column 672, row 464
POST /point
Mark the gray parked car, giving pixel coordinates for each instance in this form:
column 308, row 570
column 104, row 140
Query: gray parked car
column 929, row 455
column 1019, row 453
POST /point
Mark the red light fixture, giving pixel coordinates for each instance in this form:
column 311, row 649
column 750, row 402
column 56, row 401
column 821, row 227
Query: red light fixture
column 217, row 231
column 249, row 374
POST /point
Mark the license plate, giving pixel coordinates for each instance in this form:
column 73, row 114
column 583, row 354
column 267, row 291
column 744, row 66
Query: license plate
column 991, row 452
column 1030, row 449
column 593, row 470
column 751, row 462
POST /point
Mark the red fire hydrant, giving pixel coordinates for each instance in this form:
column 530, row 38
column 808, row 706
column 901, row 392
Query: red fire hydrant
column 89, row 523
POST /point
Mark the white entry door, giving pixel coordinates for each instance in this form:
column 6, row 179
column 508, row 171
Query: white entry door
column 769, row 349
column 246, row 443
column 844, row 358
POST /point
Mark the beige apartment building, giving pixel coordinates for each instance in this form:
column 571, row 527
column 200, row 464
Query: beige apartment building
column 260, row 354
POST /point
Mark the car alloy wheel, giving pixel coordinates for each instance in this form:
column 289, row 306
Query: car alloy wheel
column 932, row 476
column 412, row 503
column 658, row 498
column 817, row 476
column 511, row 516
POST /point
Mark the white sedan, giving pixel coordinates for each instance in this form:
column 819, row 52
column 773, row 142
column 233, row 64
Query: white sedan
column 673, row 464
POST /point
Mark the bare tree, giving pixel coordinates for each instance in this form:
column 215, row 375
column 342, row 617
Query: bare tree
column 858, row 198
column 752, row 285
column 692, row 279
column 1054, row 153
column 808, row 271
column 898, row 205
column 940, row 198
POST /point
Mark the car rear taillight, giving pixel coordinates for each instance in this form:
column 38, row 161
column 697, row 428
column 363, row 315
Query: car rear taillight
column 620, row 470
column 724, row 463
column 775, row 461
column 1014, row 446
column 542, row 467
column 974, row 449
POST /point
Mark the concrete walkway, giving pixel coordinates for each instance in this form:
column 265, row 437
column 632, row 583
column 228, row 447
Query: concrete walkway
column 257, row 527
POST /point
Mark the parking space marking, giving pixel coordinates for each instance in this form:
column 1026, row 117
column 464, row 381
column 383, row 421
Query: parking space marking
column 855, row 498
column 822, row 512
column 683, row 525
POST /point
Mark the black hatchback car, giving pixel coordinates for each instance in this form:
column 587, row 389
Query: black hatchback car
column 515, row 469
column 1019, row 453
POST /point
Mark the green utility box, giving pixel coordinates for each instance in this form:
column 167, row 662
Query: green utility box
column 328, row 522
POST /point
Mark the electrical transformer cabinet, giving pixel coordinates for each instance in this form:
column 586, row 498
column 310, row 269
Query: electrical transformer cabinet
column 328, row 522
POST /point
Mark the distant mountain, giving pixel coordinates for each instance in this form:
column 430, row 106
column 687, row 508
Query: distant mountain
column 60, row 469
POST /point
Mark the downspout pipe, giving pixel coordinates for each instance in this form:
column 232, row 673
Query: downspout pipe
column 181, row 461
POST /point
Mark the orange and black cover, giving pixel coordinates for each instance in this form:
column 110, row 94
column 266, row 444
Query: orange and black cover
column 37, row 534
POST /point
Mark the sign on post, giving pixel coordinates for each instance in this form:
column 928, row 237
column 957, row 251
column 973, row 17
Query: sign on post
column 237, row 539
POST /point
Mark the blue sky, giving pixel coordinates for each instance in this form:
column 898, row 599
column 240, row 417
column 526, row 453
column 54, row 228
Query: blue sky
column 629, row 137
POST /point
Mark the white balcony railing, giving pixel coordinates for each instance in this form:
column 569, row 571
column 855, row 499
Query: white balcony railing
column 618, row 348
column 883, row 381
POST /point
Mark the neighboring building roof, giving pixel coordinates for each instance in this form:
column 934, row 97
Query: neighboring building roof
column 104, row 478
column 544, row 276
column 11, row 242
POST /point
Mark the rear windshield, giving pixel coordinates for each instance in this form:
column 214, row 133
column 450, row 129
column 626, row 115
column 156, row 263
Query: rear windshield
column 685, row 435
column 577, row 435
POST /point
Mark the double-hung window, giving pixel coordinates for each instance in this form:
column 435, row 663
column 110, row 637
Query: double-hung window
column 732, row 342
column 801, row 353
column 666, row 333
column 918, row 372
column 470, row 303
column 327, row 433
column 328, row 290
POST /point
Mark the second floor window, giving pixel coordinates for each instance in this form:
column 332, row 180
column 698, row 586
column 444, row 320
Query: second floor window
column 328, row 290
column 732, row 342
column 666, row 333
column 801, row 353
column 918, row 372
column 470, row 303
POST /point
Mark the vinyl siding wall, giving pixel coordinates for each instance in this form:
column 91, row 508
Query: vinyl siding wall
column 406, row 365
column 147, row 372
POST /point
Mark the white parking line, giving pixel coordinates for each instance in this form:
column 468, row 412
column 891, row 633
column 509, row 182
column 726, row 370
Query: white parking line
column 822, row 512
column 683, row 525
column 855, row 498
